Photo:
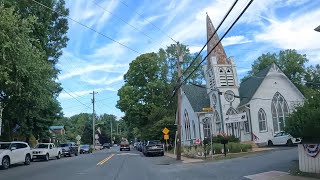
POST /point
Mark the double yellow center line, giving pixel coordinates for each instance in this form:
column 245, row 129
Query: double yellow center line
column 105, row 160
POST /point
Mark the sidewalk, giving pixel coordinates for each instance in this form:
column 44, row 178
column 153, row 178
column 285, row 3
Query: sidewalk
column 276, row 175
column 184, row 159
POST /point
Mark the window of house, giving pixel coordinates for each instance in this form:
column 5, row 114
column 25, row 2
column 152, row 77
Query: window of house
column 207, row 127
column 262, row 119
column 231, row 111
column 217, row 120
column 229, row 75
column 246, row 124
column 187, row 125
column 194, row 129
column 222, row 77
column 279, row 111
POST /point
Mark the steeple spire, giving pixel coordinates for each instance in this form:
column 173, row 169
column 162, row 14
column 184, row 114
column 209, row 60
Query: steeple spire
column 218, row 52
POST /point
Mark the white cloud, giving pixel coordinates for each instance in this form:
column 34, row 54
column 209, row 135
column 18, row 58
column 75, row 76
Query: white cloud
column 102, row 81
column 65, row 95
column 116, row 68
column 294, row 33
column 232, row 40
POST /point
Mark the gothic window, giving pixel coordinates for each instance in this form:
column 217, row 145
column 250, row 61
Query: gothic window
column 222, row 77
column 187, row 125
column 207, row 127
column 230, row 80
column 262, row 119
column 279, row 111
column 194, row 129
column 246, row 124
column 231, row 111
column 217, row 120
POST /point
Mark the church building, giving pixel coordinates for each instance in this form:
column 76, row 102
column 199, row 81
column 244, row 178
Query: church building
column 253, row 111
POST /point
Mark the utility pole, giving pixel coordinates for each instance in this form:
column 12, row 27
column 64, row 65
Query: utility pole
column 111, row 132
column 180, row 59
column 93, row 121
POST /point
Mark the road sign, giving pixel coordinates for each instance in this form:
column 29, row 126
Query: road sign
column 78, row 138
column 208, row 109
column 165, row 130
column 166, row 137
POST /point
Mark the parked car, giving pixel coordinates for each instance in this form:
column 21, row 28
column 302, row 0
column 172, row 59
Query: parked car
column 124, row 145
column 135, row 145
column 14, row 152
column 106, row 146
column 153, row 147
column 283, row 138
column 69, row 148
column 85, row 149
column 46, row 151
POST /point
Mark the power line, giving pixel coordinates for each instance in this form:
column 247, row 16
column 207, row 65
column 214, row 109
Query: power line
column 133, row 50
column 179, row 85
column 75, row 98
column 215, row 32
column 148, row 21
column 143, row 33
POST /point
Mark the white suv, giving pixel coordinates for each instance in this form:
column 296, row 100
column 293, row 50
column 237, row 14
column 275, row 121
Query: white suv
column 14, row 152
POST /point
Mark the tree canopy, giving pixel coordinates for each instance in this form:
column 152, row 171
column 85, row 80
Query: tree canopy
column 31, row 40
column 145, row 98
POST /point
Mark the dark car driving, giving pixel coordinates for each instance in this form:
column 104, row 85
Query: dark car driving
column 106, row 146
column 85, row 149
column 154, row 147
column 69, row 148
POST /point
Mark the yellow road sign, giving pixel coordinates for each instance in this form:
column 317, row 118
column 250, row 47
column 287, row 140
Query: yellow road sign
column 208, row 109
column 166, row 137
column 165, row 130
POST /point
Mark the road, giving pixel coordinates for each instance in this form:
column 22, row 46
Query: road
column 115, row 165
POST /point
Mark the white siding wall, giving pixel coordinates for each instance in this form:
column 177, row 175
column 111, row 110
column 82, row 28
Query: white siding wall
column 185, row 105
column 273, row 82
column 307, row 163
column 245, row 136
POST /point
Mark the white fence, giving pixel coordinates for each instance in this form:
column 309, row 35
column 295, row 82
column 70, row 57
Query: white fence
column 309, row 158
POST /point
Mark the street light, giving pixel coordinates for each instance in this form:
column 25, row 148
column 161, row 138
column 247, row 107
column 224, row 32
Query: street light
column 317, row 28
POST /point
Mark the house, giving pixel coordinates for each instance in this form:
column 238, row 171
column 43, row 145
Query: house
column 57, row 130
column 254, row 110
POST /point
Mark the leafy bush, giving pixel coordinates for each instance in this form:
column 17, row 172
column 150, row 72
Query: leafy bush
column 304, row 122
column 218, row 138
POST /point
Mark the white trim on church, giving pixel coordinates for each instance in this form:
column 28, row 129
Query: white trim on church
column 264, row 100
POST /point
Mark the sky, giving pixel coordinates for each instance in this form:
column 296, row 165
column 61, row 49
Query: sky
column 106, row 35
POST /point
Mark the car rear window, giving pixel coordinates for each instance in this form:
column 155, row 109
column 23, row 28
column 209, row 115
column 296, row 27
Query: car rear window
column 124, row 142
column 154, row 142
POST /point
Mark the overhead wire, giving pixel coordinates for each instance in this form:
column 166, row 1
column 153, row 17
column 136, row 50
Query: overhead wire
column 113, row 14
column 148, row 21
column 214, row 33
column 182, row 82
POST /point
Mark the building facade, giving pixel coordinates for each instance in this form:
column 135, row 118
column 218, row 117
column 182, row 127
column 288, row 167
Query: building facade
column 254, row 110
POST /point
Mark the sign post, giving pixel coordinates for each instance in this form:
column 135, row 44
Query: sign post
column 166, row 131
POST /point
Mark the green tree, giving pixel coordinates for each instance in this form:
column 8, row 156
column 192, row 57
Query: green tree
column 290, row 62
column 31, row 41
column 304, row 122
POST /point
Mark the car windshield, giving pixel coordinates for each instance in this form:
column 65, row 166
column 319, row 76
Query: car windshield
column 4, row 145
column 64, row 145
column 154, row 142
column 42, row 146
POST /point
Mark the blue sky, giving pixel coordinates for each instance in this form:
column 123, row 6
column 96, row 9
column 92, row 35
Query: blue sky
column 94, row 62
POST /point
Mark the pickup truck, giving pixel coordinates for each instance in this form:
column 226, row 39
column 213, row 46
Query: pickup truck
column 46, row 151
column 14, row 152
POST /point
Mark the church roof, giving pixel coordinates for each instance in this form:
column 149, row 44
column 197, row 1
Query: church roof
column 218, row 51
column 197, row 97
column 249, row 87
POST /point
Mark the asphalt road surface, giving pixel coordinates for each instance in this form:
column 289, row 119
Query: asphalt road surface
column 115, row 165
